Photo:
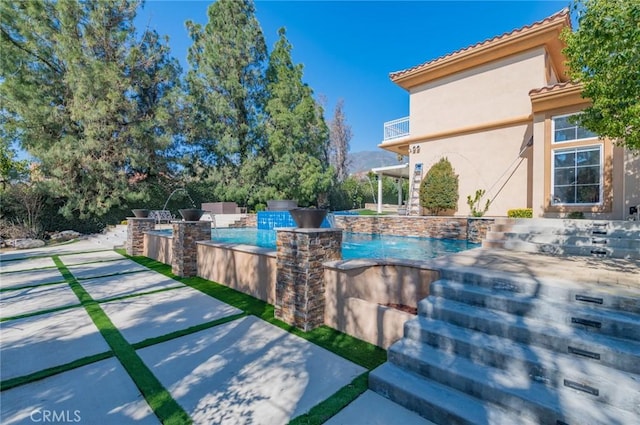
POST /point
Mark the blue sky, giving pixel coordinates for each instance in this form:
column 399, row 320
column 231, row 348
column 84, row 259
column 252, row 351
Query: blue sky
column 348, row 48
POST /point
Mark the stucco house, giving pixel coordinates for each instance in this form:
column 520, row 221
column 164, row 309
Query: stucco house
column 498, row 110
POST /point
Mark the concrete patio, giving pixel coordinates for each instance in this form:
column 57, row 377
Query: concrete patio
column 243, row 370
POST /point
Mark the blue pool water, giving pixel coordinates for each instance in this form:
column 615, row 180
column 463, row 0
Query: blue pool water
column 356, row 245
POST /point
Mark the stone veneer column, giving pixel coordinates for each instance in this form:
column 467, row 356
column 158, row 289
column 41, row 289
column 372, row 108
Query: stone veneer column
column 135, row 233
column 300, row 274
column 185, row 252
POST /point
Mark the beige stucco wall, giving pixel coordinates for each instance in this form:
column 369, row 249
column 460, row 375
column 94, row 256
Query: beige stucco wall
column 248, row 269
column 356, row 289
column 483, row 116
column 488, row 93
column 488, row 160
column 158, row 247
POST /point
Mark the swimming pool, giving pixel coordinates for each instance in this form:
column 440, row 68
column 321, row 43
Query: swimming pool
column 356, row 245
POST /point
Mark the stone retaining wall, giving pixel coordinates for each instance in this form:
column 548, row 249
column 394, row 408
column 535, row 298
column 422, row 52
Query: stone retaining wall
column 472, row 229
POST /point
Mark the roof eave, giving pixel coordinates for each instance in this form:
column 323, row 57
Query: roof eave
column 545, row 34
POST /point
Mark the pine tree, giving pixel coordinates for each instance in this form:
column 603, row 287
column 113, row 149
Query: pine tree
column 298, row 137
column 439, row 188
column 340, row 136
column 86, row 98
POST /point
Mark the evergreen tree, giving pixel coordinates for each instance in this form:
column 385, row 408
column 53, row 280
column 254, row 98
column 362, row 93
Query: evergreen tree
column 340, row 136
column 439, row 188
column 86, row 98
column 298, row 137
column 226, row 99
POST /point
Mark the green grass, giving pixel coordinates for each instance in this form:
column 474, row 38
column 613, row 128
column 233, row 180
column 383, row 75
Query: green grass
column 158, row 398
column 320, row 413
column 357, row 351
column 36, row 376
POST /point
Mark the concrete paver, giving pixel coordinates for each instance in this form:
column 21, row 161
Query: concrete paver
column 40, row 342
column 29, row 278
column 247, row 371
column 153, row 315
column 90, row 257
column 127, row 284
column 373, row 409
column 30, row 300
column 85, row 271
column 25, row 264
column 99, row 393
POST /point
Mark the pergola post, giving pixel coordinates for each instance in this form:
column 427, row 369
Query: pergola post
column 379, row 193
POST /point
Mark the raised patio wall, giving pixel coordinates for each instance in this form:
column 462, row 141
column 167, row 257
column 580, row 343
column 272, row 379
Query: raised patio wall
column 248, row 269
column 158, row 247
column 357, row 293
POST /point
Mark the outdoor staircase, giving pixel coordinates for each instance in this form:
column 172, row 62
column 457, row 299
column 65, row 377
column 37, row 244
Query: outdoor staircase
column 598, row 238
column 490, row 347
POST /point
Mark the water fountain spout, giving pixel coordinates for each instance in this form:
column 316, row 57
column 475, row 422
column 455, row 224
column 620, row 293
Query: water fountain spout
column 193, row 204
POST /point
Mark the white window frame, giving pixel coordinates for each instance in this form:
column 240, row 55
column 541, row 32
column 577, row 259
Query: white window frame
column 553, row 175
column 576, row 126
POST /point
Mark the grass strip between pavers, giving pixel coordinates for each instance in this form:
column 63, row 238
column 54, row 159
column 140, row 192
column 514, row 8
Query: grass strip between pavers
column 193, row 329
column 45, row 373
column 357, row 351
column 38, row 285
column 40, row 312
column 163, row 405
column 321, row 412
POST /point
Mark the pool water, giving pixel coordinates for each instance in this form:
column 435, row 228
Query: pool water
column 356, row 245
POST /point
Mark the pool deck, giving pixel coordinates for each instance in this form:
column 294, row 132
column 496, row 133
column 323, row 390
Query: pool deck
column 241, row 371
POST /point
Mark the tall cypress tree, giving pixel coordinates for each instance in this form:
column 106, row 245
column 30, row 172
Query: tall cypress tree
column 87, row 98
column 298, row 137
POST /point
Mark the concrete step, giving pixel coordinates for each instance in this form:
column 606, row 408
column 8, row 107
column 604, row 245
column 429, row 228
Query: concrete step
column 556, row 249
column 439, row 403
column 617, row 353
column 583, row 239
column 594, row 295
column 526, row 363
column 629, row 226
column 507, row 388
column 601, row 321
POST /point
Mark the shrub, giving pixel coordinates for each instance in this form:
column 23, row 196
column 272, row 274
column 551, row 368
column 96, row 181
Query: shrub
column 520, row 213
column 439, row 188
column 576, row 215
column 474, row 203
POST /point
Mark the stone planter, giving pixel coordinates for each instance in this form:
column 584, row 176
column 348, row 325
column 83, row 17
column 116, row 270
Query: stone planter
column 191, row 214
column 281, row 205
column 308, row 218
column 140, row 213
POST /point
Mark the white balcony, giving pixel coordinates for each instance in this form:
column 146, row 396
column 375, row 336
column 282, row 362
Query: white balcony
column 396, row 129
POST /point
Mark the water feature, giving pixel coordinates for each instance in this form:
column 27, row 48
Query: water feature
column 193, row 204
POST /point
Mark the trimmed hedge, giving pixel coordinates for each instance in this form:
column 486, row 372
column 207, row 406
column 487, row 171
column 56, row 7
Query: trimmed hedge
column 520, row 213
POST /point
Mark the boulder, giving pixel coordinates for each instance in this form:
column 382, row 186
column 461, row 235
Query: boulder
column 28, row 243
column 65, row 235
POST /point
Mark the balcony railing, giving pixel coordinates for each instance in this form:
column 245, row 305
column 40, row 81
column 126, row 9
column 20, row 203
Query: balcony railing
column 396, row 128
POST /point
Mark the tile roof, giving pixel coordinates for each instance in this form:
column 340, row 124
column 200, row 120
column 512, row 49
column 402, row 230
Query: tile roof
column 562, row 14
column 553, row 87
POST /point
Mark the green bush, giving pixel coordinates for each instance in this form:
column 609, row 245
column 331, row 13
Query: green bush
column 439, row 188
column 520, row 213
column 576, row 215
column 474, row 203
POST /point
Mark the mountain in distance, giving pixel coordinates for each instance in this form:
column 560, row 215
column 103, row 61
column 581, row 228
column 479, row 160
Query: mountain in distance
column 364, row 161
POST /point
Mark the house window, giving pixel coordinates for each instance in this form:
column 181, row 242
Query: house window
column 564, row 130
column 577, row 176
